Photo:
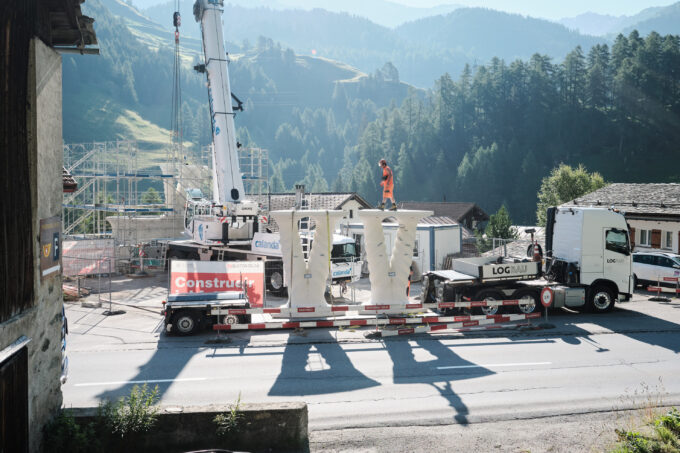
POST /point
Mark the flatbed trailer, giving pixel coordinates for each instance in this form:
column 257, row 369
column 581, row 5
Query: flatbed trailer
column 587, row 265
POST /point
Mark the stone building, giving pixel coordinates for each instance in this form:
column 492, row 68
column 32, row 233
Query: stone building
column 32, row 33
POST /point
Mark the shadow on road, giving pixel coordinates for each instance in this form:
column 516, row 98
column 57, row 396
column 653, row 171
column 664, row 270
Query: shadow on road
column 164, row 365
column 407, row 370
column 623, row 320
column 317, row 368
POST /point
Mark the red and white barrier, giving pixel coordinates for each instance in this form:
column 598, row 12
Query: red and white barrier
column 450, row 322
column 488, row 324
column 662, row 289
column 336, row 310
column 658, row 289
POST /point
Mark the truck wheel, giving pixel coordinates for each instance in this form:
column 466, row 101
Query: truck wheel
column 528, row 301
column 184, row 322
column 275, row 283
column 490, row 296
column 173, row 255
column 601, row 299
column 176, row 255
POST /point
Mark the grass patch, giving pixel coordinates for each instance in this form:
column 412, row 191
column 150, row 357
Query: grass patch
column 229, row 421
column 661, row 435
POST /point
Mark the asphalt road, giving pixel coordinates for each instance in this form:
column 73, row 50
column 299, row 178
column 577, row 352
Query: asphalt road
column 586, row 363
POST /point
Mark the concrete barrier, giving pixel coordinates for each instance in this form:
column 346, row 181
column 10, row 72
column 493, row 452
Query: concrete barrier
column 263, row 427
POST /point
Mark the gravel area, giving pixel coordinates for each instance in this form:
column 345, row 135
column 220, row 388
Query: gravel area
column 591, row 432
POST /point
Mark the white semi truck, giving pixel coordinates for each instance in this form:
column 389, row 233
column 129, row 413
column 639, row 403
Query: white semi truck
column 588, row 264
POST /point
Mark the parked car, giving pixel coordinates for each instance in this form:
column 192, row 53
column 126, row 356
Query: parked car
column 64, row 358
column 652, row 267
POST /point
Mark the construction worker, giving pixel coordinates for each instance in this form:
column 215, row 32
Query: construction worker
column 387, row 184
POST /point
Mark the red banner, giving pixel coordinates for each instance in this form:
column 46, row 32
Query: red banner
column 218, row 276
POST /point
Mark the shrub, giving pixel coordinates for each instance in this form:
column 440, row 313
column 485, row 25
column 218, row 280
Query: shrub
column 229, row 421
column 63, row 433
column 132, row 414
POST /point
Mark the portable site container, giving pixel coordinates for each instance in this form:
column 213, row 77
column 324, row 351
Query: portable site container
column 433, row 242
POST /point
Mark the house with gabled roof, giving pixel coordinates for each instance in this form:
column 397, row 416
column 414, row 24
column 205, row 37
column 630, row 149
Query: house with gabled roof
column 348, row 202
column 651, row 210
column 468, row 215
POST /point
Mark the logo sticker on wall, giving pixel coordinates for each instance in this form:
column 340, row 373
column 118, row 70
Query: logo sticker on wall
column 200, row 231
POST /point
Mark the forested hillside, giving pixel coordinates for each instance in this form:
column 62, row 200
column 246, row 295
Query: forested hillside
column 491, row 135
column 487, row 134
column 293, row 104
column 421, row 50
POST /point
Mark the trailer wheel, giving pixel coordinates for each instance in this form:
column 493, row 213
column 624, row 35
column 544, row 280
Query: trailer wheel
column 490, row 296
column 184, row 322
column 601, row 299
column 529, row 301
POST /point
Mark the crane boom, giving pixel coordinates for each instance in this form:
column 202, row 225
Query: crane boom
column 228, row 175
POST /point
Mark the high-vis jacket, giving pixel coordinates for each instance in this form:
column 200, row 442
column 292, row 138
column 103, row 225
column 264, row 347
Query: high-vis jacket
column 387, row 179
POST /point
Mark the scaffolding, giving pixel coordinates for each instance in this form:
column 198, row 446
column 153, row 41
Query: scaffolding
column 111, row 180
column 254, row 165
column 113, row 176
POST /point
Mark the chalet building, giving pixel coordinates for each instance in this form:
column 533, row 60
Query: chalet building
column 32, row 35
column 651, row 210
column 468, row 215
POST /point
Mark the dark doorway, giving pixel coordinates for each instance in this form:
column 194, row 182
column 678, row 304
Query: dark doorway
column 14, row 403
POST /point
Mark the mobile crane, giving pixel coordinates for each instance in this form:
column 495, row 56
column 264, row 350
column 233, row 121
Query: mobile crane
column 225, row 228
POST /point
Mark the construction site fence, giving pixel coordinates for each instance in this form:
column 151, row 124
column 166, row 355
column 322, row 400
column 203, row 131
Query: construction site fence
column 94, row 278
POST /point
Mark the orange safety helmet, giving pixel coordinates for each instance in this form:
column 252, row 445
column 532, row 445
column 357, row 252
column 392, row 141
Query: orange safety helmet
column 382, row 162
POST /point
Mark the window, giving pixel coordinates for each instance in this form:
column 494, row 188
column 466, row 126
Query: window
column 666, row 262
column 415, row 249
column 351, row 213
column 645, row 238
column 668, row 240
column 617, row 241
column 645, row 259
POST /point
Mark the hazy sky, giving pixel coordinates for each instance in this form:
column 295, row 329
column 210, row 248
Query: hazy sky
column 552, row 9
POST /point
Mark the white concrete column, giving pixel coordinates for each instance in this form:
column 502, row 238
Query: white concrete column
column 306, row 280
column 389, row 276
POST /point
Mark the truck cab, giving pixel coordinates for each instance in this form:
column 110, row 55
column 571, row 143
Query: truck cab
column 590, row 247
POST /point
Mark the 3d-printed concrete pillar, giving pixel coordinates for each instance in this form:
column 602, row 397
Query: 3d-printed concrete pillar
column 306, row 280
column 389, row 276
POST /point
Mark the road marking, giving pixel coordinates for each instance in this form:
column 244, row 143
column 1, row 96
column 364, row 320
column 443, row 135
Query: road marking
column 492, row 365
column 149, row 381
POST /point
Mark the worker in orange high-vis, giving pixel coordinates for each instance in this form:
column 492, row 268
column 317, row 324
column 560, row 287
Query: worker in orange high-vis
column 387, row 184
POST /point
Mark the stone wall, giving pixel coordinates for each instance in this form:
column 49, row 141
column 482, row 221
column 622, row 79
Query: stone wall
column 272, row 427
column 42, row 323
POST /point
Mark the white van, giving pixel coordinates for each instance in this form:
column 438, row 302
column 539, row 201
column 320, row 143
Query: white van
column 653, row 267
